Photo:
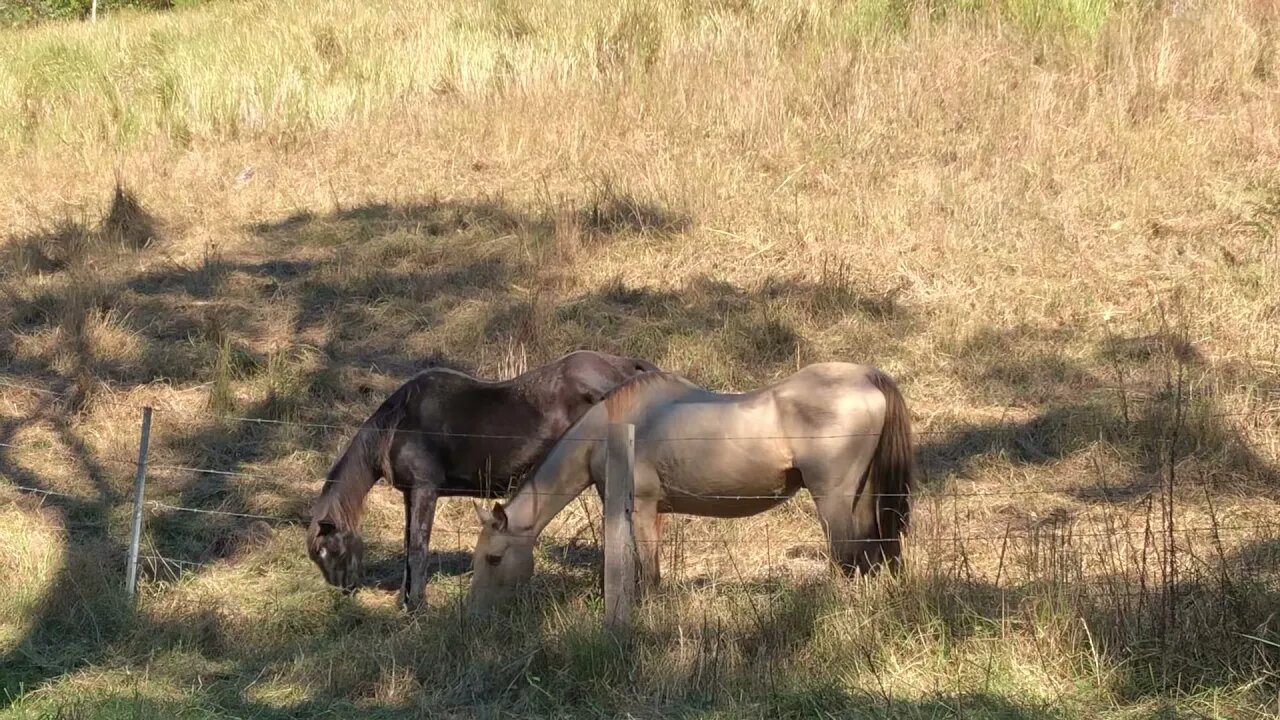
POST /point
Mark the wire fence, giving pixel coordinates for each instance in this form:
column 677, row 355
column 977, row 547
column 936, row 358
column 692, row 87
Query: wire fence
column 1128, row 556
column 1082, row 420
column 915, row 538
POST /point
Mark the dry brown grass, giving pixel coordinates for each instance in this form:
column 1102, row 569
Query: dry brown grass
column 1038, row 232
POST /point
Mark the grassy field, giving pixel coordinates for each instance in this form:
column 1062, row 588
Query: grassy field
column 1054, row 222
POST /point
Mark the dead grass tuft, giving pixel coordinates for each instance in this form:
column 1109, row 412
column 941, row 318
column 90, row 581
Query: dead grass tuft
column 128, row 223
column 610, row 212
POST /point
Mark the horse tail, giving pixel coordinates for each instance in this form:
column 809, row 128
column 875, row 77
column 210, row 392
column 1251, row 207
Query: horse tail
column 892, row 469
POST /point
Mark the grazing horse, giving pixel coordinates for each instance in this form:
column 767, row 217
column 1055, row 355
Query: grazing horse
column 445, row 433
column 839, row 430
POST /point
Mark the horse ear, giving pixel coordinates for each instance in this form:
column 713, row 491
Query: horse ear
column 486, row 517
column 499, row 517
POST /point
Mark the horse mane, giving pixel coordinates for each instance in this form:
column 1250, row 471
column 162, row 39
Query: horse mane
column 367, row 457
column 625, row 396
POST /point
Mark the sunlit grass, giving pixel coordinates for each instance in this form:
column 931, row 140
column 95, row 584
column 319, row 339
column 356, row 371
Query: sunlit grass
column 230, row 69
column 1036, row 215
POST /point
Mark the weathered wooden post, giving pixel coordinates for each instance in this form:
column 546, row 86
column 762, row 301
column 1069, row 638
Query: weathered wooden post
column 619, row 536
column 139, row 500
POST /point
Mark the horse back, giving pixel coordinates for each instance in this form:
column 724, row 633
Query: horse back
column 820, row 399
column 478, row 433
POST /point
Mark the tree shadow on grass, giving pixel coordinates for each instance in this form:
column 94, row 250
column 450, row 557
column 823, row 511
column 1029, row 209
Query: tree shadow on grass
column 754, row 665
column 1210, row 628
column 385, row 574
column 608, row 214
column 1144, row 415
column 720, row 333
column 527, row 661
column 188, row 323
column 360, row 304
column 84, row 608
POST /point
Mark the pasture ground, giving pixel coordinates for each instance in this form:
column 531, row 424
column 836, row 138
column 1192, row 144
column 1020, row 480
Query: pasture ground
column 1055, row 223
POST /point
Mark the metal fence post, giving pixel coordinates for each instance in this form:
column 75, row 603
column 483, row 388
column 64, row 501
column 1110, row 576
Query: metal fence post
column 139, row 500
column 619, row 535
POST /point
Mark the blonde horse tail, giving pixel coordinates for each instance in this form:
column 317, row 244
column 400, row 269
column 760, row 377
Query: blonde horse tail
column 892, row 471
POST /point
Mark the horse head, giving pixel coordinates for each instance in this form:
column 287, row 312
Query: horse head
column 503, row 558
column 336, row 549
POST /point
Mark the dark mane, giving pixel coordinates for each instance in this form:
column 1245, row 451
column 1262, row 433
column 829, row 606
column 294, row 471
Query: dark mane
column 366, row 457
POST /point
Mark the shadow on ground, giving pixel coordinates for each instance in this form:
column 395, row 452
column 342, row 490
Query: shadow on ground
column 341, row 307
column 764, row 654
column 1144, row 412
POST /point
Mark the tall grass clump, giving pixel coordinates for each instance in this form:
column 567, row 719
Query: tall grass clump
column 224, row 70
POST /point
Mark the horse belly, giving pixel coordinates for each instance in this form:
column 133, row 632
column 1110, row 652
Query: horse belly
column 728, row 479
column 479, row 485
column 716, row 507
column 486, row 467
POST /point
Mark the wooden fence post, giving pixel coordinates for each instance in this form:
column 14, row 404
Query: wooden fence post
column 619, row 536
column 139, row 499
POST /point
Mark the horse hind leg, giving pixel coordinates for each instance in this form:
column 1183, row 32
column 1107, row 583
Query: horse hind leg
column 850, row 524
column 648, row 523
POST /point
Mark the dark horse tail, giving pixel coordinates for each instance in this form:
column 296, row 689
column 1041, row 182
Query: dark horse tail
column 892, row 471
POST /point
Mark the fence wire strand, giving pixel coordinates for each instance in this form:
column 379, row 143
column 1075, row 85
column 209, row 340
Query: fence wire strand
column 679, row 542
column 42, row 491
column 227, row 513
column 1002, row 429
column 920, row 496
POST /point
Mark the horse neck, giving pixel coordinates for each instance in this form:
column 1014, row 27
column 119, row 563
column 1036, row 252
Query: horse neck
column 561, row 477
column 350, row 481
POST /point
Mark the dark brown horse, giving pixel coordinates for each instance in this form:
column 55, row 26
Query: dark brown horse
column 445, row 433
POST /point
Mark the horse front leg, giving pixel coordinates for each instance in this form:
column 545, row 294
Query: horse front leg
column 419, row 515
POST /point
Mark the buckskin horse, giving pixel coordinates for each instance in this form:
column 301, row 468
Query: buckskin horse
column 841, row 431
column 445, row 433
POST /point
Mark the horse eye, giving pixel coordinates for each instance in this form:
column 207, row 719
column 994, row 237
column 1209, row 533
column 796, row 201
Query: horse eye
column 493, row 559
